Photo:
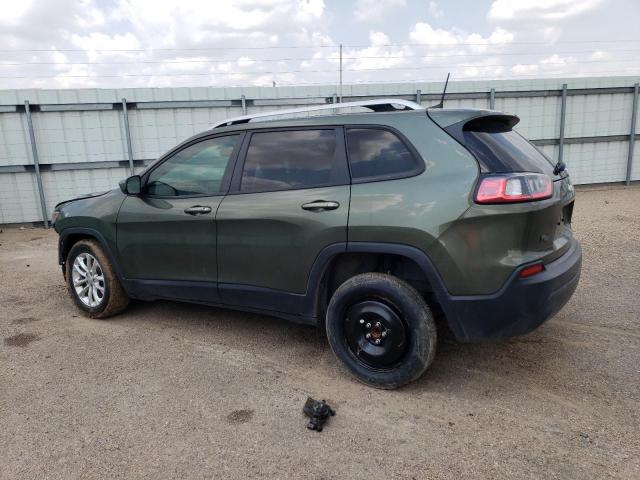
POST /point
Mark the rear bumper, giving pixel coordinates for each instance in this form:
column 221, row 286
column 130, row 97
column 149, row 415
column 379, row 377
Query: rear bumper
column 520, row 306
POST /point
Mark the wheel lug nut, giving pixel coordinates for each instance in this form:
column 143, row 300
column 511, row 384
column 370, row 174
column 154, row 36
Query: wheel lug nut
column 368, row 325
column 384, row 334
column 361, row 321
column 368, row 335
column 377, row 341
column 378, row 324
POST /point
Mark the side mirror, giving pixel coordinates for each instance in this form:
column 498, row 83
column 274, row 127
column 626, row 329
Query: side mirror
column 132, row 185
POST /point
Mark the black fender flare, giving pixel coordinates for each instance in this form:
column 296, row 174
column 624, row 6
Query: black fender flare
column 421, row 259
column 95, row 234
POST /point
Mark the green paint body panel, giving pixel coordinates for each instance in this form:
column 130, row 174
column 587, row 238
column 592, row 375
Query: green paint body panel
column 487, row 243
column 267, row 239
column 158, row 240
column 417, row 211
column 99, row 213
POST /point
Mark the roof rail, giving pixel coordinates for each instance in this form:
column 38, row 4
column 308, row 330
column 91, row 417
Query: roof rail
column 379, row 105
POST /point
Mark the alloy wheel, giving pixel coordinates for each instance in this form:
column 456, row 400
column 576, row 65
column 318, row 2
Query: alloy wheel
column 88, row 280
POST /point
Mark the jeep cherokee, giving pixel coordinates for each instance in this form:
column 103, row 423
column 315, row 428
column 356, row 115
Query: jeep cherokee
column 364, row 224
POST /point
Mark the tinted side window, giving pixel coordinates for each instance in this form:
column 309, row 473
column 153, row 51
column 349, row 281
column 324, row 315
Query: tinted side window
column 378, row 153
column 195, row 170
column 288, row 160
column 500, row 149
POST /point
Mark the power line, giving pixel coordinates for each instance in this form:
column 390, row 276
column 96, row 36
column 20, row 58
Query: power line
column 488, row 43
column 541, row 76
column 141, row 50
column 274, row 47
column 631, row 60
column 502, row 77
column 281, row 72
column 300, row 59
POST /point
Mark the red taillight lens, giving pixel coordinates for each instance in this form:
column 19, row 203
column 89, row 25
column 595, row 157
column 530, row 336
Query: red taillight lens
column 531, row 270
column 520, row 187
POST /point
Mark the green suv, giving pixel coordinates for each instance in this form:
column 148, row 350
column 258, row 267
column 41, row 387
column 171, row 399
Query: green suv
column 367, row 225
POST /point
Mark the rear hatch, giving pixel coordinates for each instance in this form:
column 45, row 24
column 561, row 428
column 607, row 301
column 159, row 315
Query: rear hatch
column 500, row 149
column 490, row 137
column 509, row 231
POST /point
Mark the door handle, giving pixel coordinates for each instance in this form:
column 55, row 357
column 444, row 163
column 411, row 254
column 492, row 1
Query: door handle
column 197, row 210
column 320, row 205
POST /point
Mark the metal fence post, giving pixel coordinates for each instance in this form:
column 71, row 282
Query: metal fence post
column 36, row 163
column 418, row 96
column 340, row 87
column 492, row 99
column 127, row 133
column 563, row 111
column 632, row 136
column 243, row 100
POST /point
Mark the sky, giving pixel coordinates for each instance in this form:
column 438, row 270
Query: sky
column 156, row 43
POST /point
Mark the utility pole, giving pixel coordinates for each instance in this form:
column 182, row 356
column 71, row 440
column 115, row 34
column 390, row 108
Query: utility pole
column 340, row 86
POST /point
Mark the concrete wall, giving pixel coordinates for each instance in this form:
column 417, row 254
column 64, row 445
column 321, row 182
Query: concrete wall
column 81, row 137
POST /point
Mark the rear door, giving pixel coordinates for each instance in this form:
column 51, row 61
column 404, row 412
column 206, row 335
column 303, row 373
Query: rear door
column 289, row 199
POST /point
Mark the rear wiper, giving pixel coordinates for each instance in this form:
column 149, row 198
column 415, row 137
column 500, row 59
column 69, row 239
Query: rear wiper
column 560, row 167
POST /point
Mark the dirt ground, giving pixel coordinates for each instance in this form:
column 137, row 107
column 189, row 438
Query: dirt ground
column 170, row 390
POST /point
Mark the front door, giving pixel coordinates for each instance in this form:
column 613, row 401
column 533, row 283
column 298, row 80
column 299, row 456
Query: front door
column 289, row 199
column 168, row 233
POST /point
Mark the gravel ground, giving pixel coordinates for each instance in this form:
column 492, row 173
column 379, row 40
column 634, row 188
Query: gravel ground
column 170, row 390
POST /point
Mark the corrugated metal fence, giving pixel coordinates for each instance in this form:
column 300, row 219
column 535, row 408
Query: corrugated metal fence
column 58, row 144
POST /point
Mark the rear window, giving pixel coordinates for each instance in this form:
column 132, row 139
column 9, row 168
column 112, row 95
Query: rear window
column 289, row 160
column 378, row 154
column 499, row 149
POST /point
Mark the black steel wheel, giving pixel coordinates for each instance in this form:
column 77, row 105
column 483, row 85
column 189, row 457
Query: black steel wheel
column 376, row 334
column 382, row 330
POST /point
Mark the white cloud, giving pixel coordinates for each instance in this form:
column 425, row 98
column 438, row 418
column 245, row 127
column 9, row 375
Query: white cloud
column 101, row 41
column 128, row 43
column 525, row 69
column 599, row 55
column 434, row 10
column 13, row 11
column 309, row 9
column 245, row 61
column 424, row 33
column 378, row 38
column 554, row 59
column 539, row 10
column 375, row 10
column 196, row 16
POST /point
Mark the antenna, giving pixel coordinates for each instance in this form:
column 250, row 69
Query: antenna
column 441, row 104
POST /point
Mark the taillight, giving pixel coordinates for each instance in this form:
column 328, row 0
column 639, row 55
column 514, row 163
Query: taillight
column 514, row 187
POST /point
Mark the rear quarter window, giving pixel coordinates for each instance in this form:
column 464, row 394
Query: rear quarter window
column 379, row 154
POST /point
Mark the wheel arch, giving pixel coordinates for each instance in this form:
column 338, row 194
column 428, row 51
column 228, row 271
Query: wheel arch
column 323, row 277
column 70, row 236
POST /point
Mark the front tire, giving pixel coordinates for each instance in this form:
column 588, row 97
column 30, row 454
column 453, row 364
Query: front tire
column 91, row 281
column 382, row 330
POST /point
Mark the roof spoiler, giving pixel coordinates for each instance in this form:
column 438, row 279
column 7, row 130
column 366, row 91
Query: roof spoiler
column 471, row 118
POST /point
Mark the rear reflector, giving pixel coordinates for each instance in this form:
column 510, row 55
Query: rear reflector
column 531, row 270
column 509, row 188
